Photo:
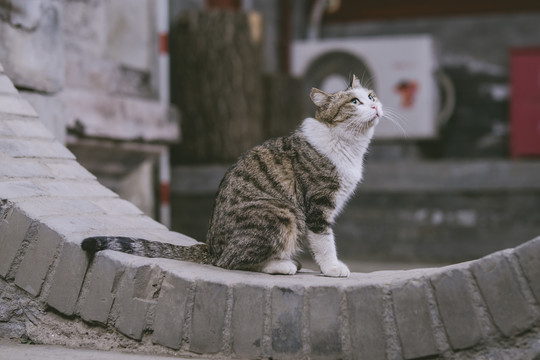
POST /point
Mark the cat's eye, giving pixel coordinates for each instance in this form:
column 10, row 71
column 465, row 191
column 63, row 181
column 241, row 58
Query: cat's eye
column 371, row 97
column 355, row 101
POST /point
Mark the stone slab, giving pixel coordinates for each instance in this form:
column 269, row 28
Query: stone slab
column 134, row 298
column 286, row 322
column 413, row 320
column 170, row 311
column 16, row 105
column 325, row 322
column 365, row 310
column 208, row 319
column 68, row 278
column 529, row 258
column 506, row 303
column 460, row 316
column 100, row 285
column 247, row 324
column 37, row 260
column 35, row 149
column 13, row 229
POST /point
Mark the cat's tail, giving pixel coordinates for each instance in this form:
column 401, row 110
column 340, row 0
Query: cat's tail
column 199, row 253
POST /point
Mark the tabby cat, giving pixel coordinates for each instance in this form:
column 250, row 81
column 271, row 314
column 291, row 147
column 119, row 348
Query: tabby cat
column 282, row 194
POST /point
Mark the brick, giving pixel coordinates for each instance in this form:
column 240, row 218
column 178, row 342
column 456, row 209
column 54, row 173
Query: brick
column 69, row 170
column 134, row 298
column 74, row 188
column 170, row 311
column 35, row 149
column 39, row 207
column 4, row 130
column 413, row 320
column 208, row 318
column 324, row 322
column 248, row 321
column 499, row 287
column 460, row 317
column 16, row 105
column 6, row 86
column 99, row 286
column 37, row 260
column 68, row 278
column 365, row 306
column 19, row 188
column 117, row 206
column 51, row 113
column 29, row 128
column 286, row 322
column 529, row 258
column 12, row 233
column 23, row 169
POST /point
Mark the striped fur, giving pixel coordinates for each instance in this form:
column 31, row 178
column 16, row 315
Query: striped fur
column 283, row 194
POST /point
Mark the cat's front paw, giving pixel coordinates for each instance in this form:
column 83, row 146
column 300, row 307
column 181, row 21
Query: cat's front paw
column 337, row 269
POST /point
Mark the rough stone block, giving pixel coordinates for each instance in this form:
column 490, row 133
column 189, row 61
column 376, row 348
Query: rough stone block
column 134, row 297
column 456, row 306
column 413, row 320
column 324, row 322
column 529, row 258
column 12, row 233
column 68, row 277
column 37, row 260
column 100, row 284
column 170, row 311
column 286, row 324
column 248, row 321
column 120, row 117
column 208, row 318
column 504, row 299
column 366, row 308
column 33, row 50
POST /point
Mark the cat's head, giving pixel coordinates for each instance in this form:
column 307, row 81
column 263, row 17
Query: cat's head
column 355, row 108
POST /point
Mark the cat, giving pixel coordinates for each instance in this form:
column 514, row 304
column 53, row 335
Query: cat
column 282, row 194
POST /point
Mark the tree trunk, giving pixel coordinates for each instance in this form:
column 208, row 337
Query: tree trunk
column 216, row 83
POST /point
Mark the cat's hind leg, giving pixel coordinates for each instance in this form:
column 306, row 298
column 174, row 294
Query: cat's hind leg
column 265, row 237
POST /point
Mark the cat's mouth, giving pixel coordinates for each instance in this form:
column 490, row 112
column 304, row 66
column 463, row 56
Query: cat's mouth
column 374, row 121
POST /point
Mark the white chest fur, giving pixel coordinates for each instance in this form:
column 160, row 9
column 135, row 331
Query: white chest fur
column 347, row 155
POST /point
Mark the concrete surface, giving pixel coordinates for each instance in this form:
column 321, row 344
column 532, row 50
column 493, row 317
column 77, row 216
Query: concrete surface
column 47, row 352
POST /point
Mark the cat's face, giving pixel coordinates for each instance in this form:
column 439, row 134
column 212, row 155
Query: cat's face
column 355, row 108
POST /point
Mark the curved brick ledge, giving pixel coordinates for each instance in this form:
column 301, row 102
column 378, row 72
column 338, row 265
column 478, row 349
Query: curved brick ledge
column 483, row 309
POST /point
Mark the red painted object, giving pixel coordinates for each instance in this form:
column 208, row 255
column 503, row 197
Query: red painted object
column 525, row 102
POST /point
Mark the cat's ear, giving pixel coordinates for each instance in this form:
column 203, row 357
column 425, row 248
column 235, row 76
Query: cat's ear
column 355, row 83
column 319, row 97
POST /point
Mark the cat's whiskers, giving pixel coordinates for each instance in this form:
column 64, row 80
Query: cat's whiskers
column 396, row 118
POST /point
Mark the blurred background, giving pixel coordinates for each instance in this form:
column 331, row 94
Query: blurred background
column 158, row 97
